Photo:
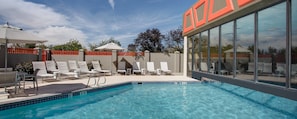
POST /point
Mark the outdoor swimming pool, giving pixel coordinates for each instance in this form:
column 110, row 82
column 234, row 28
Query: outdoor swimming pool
column 163, row 100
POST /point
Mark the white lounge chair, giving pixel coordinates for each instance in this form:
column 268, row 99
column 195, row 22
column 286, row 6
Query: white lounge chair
column 204, row 67
column 251, row 67
column 164, row 68
column 64, row 70
column 151, row 68
column 122, row 67
column 136, row 68
column 190, row 66
column 230, row 69
column 280, row 69
column 267, row 68
column 260, row 67
column 42, row 70
column 294, row 70
column 97, row 67
column 84, row 67
column 73, row 66
column 51, row 66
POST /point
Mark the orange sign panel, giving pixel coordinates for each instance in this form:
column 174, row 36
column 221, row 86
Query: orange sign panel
column 228, row 8
column 188, row 14
column 191, row 20
column 243, row 2
column 195, row 7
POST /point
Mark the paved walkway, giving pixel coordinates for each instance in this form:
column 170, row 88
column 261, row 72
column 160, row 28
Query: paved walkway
column 50, row 86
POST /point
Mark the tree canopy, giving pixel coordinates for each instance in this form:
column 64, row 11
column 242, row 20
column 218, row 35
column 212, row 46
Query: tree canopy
column 174, row 40
column 150, row 40
column 72, row 45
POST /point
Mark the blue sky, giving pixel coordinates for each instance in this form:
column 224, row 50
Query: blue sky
column 91, row 21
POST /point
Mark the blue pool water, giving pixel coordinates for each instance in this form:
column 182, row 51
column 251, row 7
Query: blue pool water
column 163, row 101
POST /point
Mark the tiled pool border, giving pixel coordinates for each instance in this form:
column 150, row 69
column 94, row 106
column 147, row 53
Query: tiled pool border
column 35, row 100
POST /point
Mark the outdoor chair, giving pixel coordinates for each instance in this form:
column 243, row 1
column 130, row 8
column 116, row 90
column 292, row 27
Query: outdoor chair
column 83, row 67
column 85, row 70
column 294, row 70
column 260, row 67
column 251, row 67
column 190, row 66
column 151, row 68
column 222, row 68
column 136, row 68
column 229, row 68
column 64, row 70
column 164, row 68
column 9, row 79
column 280, row 69
column 42, row 70
column 122, row 67
column 51, row 66
column 73, row 66
column 33, row 78
column 267, row 68
column 97, row 67
column 204, row 67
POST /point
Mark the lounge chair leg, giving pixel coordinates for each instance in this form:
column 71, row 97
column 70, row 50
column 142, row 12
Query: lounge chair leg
column 36, row 85
column 89, row 81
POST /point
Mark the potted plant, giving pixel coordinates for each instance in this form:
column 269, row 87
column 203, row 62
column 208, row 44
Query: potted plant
column 25, row 67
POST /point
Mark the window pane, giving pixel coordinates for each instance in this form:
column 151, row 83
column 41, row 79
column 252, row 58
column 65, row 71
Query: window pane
column 204, row 47
column 294, row 45
column 272, row 45
column 214, row 48
column 245, row 47
column 196, row 52
column 226, row 46
column 190, row 47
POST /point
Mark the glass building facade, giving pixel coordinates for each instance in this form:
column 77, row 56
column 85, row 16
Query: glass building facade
column 255, row 49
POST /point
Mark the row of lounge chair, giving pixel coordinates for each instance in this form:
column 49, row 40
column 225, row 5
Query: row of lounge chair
column 75, row 68
column 163, row 68
column 226, row 68
column 262, row 68
column 136, row 69
column 52, row 69
column 267, row 68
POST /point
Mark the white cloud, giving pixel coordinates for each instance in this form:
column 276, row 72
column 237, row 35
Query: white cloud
column 126, row 39
column 60, row 35
column 81, row 24
column 111, row 2
column 29, row 14
column 41, row 19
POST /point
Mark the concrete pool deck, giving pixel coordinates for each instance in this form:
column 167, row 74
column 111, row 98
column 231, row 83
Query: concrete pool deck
column 51, row 86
